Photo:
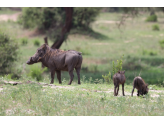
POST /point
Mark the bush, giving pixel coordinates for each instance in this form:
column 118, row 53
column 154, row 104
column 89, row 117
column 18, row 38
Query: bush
column 8, row 53
column 36, row 42
column 118, row 66
column 161, row 43
column 107, row 78
column 152, row 18
column 24, row 41
column 83, row 16
column 36, row 72
column 155, row 27
column 149, row 52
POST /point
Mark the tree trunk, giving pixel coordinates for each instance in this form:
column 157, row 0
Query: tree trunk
column 66, row 28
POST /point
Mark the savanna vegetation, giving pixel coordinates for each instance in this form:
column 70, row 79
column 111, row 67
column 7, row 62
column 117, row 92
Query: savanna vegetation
column 136, row 47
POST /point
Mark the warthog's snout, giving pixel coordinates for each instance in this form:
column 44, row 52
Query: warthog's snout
column 29, row 61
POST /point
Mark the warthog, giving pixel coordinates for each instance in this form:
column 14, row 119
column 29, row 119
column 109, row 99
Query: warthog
column 140, row 85
column 58, row 60
column 119, row 78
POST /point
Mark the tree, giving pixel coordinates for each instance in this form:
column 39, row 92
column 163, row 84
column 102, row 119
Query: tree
column 57, row 22
column 8, row 53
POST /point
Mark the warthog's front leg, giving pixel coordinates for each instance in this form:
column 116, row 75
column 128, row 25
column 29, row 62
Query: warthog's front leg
column 71, row 77
column 138, row 93
column 52, row 76
column 59, row 76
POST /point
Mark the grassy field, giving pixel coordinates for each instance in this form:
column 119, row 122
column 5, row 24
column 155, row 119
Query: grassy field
column 106, row 43
column 77, row 100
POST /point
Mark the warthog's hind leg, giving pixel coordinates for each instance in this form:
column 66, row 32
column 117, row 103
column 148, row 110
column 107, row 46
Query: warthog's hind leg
column 71, row 77
column 123, row 90
column 78, row 74
column 132, row 91
column 117, row 90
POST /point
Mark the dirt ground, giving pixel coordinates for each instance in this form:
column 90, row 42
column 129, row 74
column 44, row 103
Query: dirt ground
column 156, row 92
column 6, row 17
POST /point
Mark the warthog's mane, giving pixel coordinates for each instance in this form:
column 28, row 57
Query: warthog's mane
column 51, row 52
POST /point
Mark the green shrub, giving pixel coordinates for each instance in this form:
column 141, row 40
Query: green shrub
column 36, row 42
column 152, row 18
column 155, row 27
column 149, row 52
column 8, row 53
column 107, row 78
column 24, row 41
column 118, row 66
column 36, row 72
column 161, row 43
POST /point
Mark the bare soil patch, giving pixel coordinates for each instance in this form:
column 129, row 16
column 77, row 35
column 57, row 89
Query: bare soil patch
column 6, row 17
column 105, row 21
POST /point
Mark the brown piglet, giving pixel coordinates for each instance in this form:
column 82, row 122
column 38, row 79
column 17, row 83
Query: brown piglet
column 119, row 78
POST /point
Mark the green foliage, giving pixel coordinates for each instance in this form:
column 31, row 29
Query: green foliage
column 107, row 78
column 155, row 27
column 36, row 42
column 161, row 43
column 24, row 41
column 118, row 66
column 152, row 18
column 8, row 53
column 51, row 19
column 83, row 16
column 149, row 52
column 36, row 73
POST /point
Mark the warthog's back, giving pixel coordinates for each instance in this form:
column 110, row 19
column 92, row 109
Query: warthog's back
column 138, row 82
column 119, row 78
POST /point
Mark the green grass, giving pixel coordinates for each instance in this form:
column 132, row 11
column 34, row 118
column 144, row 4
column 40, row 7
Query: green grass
column 84, row 100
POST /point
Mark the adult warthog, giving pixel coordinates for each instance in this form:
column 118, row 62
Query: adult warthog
column 58, row 60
